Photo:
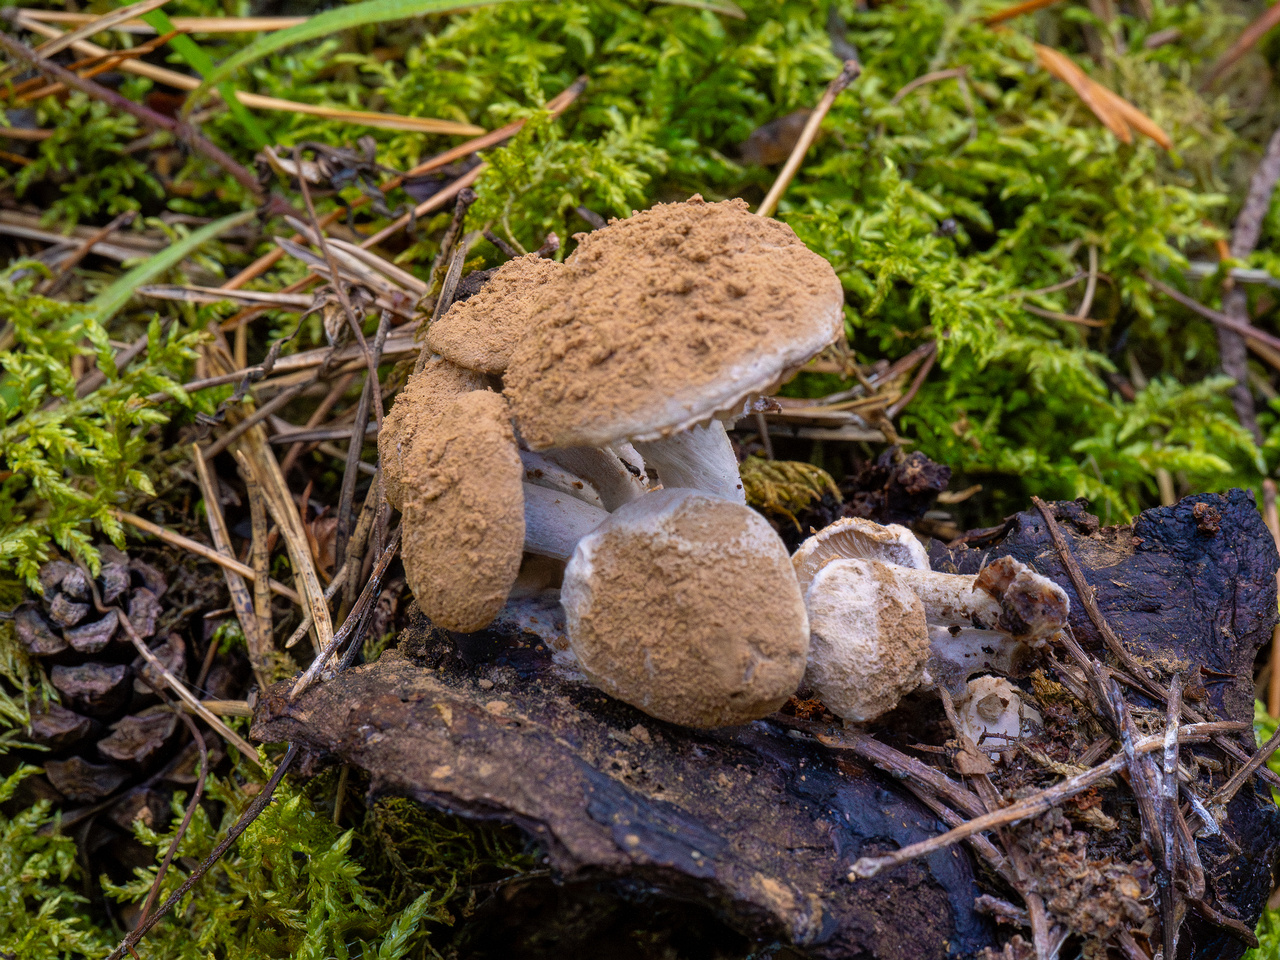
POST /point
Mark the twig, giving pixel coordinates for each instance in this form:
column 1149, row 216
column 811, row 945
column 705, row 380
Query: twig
column 953, row 73
column 1086, row 593
column 1235, row 304
column 260, row 555
column 1229, row 789
column 445, row 301
column 240, row 598
column 434, row 202
column 1064, row 317
column 278, row 402
column 466, row 197
column 1223, row 922
column 1248, row 331
column 196, row 795
column 900, row 404
column 1089, row 288
column 368, row 597
column 198, row 548
column 1022, row 810
column 370, row 396
column 1247, row 39
column 1141, row 676
column 846, row 76
column 51, row 287
column 336, row 276
column 183, row 131
column 251, row 813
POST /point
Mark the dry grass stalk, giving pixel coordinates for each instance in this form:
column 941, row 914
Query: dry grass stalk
column 1248, row 38
column 185, row 24
column 1000, row 16
column 260, row 554
column 1116, row 113
column 240, row 598
column 198, row 548
column 846, row 76
column 97, row 25
column 182, row 81
column 279, row 500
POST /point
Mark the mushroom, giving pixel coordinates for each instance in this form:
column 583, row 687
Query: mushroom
column 684, row 605
column 469, row 516
column 656, row 325
column 417, row 409
column 868, row 640
column 985, row 622
column 482, row 332
column 993, row 714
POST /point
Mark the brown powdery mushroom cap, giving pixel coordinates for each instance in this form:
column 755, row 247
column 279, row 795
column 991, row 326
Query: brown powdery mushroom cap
column 463, row 511
column 659, row 321
column 685, row 606
column 482, row 332
column 869, row 641
column 418, row 409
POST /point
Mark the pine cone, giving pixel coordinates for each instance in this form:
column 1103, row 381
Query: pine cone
column 110, row 744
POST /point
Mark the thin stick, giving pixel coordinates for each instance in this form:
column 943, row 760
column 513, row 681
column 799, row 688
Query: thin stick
column 370, row 396
column 1089, row 288
column 82, row 251
column 368, row 596
column 846, row 76
column 1232, row 786
column 260, row 555
column 434, row 202
column 1142, row 679
column 157, row 121
column 1213, row 316
column 317, row 417
column 279, row 401
column 196, row 795
column 240, row 598
column 259, row 804
column 198, row 548
column 1032, row 806
column 916, row 383
column 1169, row 814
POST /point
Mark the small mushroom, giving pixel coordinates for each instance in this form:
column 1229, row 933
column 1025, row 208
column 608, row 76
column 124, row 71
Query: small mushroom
column 993, row 714
column 969, row 623
column 417, row 408
column 482, row 332
column 684, row 605
column 656, row 325
column 854, row 538
column 469, row 515
column 868, row 640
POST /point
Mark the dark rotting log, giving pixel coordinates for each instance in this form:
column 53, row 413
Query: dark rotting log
column 754, row 828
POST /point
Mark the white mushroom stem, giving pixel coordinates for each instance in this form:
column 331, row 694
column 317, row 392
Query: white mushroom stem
column 951, row 599
column 698, row 458
column 993, row 714
column 555, row 522
column 605, row 471
column 541, row 471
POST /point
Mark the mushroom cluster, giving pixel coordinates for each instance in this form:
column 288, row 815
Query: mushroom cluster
column 884, row 624
column 576, row 412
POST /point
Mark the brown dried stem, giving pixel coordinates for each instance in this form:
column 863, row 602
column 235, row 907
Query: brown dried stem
column 259, row 804
column 370, row 396
column 848, row 73
column 198, row 548
column 240, row 597
column 157, row 121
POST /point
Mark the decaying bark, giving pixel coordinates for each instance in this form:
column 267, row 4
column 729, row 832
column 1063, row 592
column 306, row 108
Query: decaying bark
column 751, row 830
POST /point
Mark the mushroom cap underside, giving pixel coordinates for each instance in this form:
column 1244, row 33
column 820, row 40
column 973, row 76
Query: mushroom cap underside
column 853, row 538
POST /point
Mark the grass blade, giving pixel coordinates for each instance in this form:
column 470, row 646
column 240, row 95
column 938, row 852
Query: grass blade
column 324, row 24
column 202, row 63
column 106, row 304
